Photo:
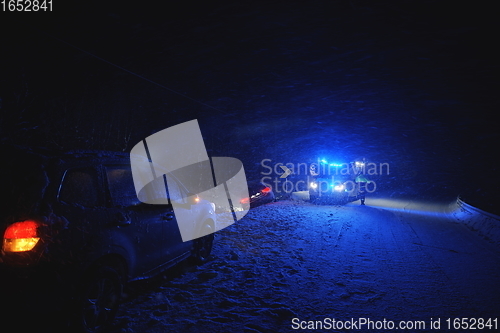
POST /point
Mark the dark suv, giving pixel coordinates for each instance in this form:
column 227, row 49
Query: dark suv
column 73, row 220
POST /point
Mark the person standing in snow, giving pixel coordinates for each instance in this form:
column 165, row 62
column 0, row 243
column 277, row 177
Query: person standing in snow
column 360, row 180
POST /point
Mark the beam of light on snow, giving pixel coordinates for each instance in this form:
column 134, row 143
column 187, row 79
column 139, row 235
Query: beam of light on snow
column 413, row 206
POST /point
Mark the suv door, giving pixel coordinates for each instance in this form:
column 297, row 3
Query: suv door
column 80, row 199
column 144, row 225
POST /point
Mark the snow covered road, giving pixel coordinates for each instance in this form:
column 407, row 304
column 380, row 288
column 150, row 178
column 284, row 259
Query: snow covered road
column 398, row 261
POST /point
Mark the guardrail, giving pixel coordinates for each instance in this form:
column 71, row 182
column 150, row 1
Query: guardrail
column 487, row 224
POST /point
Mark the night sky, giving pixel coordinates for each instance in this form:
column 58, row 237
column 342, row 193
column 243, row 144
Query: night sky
column 410, row 83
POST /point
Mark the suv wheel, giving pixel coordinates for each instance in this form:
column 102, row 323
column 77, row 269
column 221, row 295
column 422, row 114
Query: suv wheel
column 203, row 245
column 98, row 300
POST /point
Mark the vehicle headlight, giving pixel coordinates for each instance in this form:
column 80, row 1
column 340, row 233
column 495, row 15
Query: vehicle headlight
column 339, row 188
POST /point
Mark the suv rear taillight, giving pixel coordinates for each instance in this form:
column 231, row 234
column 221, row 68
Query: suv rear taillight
column 21, row 236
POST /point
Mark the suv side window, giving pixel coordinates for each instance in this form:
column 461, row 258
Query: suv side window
column 121, row 186
column 81, row 187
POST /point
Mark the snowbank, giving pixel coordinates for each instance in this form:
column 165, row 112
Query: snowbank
column 487, row 224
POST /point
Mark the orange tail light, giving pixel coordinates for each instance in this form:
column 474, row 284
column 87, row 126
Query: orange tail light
column 21, row 236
